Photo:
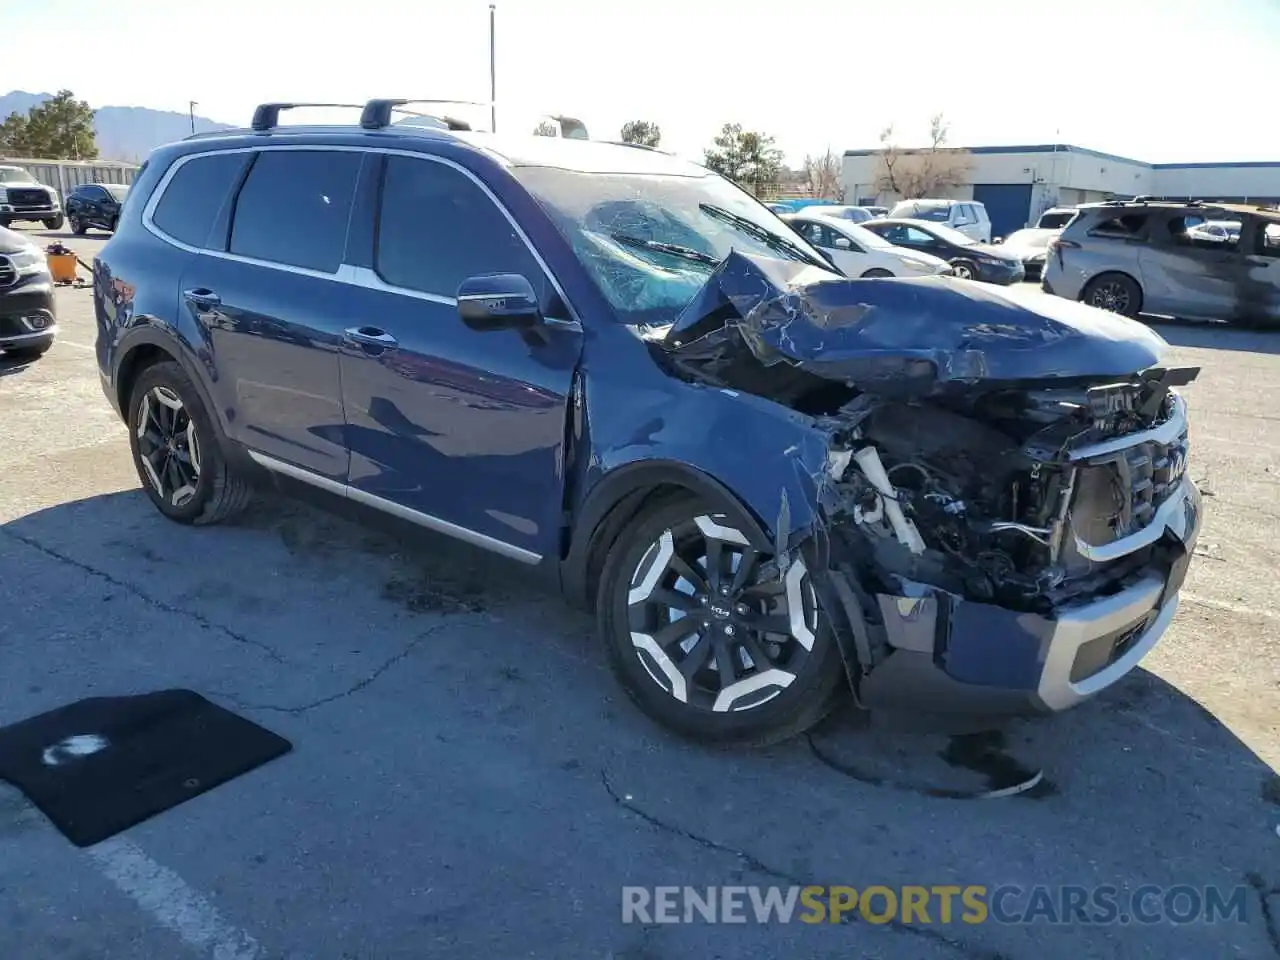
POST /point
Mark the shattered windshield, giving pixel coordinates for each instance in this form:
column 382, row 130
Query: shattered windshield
column 651, row 241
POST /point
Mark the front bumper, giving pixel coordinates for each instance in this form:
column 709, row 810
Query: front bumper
column 951, row 655
column 19, row 304
column 9, row 211
column 1002, row 275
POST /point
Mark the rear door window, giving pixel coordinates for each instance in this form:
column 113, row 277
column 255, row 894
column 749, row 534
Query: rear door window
column 437, row 228
column 1126, row 226
column 194, row 195
column 294, row 208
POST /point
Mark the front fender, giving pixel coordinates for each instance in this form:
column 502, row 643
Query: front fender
column 758, row 462
column 139, row 339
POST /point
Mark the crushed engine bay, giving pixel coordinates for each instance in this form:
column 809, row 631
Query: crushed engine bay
column 983, row 443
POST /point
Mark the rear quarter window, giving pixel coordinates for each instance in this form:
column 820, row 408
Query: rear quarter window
column 194, row 195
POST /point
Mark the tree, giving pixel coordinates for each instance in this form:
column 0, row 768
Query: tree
column 921, row 173
column 61, row 128
column 643, row 132
column 822, row 176
column 748, row 158
column 547, row 128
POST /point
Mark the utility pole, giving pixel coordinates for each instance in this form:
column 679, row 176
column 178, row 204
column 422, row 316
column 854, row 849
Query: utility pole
column 191, row 111
column 493, row 75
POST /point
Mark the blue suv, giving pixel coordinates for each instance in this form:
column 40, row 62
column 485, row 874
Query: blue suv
column 771, row 482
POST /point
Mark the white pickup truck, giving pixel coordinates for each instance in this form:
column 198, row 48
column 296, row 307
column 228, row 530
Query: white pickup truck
column 23, row 197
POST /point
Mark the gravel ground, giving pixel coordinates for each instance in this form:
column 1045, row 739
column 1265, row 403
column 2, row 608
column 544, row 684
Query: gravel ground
column 467, row 781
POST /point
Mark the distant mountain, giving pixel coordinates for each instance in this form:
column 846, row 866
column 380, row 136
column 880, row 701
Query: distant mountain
column 123, row 133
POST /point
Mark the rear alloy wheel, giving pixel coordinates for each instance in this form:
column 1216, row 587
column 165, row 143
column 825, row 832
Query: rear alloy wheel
column 964, row 269
column 176, row 452
column 709, row 637
column 1114, row 292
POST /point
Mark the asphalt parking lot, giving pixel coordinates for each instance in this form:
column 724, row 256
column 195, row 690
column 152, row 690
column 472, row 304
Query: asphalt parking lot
column 467, row 781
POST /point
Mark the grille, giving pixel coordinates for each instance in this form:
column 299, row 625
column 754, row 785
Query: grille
column 28, row 197
column 1121, row 495
column 8, row 272
column 1153, row 470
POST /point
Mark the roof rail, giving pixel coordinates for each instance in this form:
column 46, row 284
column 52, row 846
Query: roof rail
column 638, row 146
column 267, row 115
column 377, row 113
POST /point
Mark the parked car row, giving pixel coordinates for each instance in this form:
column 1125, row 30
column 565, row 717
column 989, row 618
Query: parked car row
column 88, row 205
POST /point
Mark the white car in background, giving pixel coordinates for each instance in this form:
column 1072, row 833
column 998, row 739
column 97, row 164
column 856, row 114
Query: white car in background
column 1031, row 246
column 860, row 253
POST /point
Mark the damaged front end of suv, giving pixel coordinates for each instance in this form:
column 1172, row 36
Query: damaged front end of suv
column 1004, row 518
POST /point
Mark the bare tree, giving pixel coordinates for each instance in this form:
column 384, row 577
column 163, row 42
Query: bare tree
column 822, row 176
column 923, row 172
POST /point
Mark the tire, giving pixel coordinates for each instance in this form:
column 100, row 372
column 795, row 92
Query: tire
column 964, row 269
column 876, row 272
column 53, row 223
column 29, row 352
column 78, row 226
column 1114, row 292
column 189, row 480
column 5, row 223
column 646, row 570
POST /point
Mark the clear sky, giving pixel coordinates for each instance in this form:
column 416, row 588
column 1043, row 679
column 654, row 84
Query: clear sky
column 1158, row 80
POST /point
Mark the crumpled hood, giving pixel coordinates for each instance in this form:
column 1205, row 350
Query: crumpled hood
column 905, row 336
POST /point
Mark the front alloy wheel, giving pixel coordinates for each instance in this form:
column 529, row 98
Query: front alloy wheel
column 710, row 636
column 168, row 446
column 963, row 269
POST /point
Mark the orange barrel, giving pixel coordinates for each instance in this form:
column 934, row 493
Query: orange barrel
column 62, row 266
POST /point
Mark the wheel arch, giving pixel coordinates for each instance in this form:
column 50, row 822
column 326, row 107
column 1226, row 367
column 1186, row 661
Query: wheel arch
column 620, row 496
column 144, row 347
column 1142, row 293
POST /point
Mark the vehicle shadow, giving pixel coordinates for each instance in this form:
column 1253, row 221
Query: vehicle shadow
column 1215, row 336
column 1142, row 786
column 10, row 365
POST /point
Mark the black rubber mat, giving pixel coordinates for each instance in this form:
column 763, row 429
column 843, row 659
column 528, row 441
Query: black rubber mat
column 99, row 766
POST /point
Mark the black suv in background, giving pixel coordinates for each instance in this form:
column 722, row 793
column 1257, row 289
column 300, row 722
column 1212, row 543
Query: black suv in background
column 95, row 205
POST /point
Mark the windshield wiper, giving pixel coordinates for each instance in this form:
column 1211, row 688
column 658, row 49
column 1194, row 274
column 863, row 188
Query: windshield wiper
column 752, row 229
column 672, row 249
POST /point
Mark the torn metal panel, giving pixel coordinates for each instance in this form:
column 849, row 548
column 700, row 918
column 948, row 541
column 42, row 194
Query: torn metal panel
column 912, row 337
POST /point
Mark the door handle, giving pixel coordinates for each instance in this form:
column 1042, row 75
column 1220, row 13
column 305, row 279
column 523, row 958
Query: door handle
column 202, row 298
column 370, row 337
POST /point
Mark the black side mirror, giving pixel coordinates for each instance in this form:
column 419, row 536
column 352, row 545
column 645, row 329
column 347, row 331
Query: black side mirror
column 498, row 301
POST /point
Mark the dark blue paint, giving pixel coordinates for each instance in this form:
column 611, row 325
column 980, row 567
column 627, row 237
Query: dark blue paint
column 517, row 434
column 911, row 336
column 994, row 647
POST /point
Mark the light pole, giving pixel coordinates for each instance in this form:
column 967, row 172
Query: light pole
column 493, row 75
column 191, row 112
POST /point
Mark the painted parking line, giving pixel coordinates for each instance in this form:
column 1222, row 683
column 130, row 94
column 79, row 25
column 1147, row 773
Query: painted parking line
column 71, row 343
column 167, row 899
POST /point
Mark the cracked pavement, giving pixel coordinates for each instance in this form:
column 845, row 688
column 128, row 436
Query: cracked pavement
column 467, row 780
